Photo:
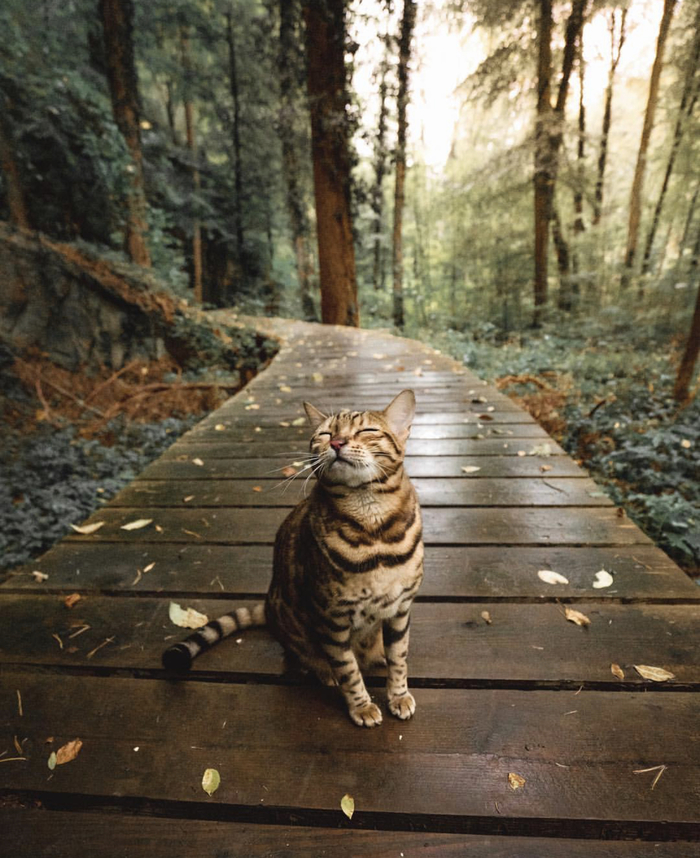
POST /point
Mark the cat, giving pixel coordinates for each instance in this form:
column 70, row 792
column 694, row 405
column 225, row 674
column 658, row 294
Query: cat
column 348, row 561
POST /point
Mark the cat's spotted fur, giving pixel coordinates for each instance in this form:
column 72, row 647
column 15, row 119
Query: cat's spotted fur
column 348, row 562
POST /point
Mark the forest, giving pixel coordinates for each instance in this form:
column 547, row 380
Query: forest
column 515, row 182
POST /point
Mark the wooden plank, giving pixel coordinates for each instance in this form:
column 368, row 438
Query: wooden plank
column 500, row 446
column 47, row 834
column 181, row 466
column 295, row 748
column 236, row 417
column 450, row 642
column 468, row 492
column 455, row 526
column 492, row 572
column 247, row 433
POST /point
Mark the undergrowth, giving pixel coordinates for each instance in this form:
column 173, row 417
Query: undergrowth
column 607, row 398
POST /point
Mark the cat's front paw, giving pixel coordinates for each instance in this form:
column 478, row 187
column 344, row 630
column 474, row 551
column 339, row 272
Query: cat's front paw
column 369, row 715
column 402, row 706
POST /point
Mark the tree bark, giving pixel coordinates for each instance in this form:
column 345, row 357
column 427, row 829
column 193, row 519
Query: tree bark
column 14, row 188
column 563, row 261
column 635, row 210
column 579, row 225
column 615, row 53
column 325, row 51
column 117, row 22
column 296, row 199
column 689, row 97
column 549, row 135
column 237, row 161
column 681, row 389
column 407, row 24
column 196, row 178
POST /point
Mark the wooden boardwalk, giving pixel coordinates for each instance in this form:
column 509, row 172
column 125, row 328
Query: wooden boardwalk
column 528, row 693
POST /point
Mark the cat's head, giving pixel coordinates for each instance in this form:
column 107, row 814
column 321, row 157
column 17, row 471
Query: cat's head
column 353, row 448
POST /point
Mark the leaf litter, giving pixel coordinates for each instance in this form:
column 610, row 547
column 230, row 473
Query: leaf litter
column 655, row 674
column 68, row 752
column 602, row 579
column 210, row 781
column 550, row 577
column 87, row 529
column 617, row 671
column 137, row 525
column 576, row 617
column 515, row 781
column 347, row 805
column 186, row 618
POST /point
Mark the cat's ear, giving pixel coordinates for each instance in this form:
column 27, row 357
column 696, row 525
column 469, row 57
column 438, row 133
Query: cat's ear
column 400, row 412
column 315, row 416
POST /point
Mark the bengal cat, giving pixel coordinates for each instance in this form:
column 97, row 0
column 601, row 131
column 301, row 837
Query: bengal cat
column 348, row 561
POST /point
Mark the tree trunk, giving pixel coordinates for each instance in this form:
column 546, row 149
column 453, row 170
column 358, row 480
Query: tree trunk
column 579, row 226
column 14, row 190
column 549, row 134
column 407, row 24
column 325, row 50
column 689, row 98
column 380, row 158
column 296, row 202
column 117, row 22
column 689, row 219
column 681, row 389
column 196, row 179
column 563, row 261
column 237, row 163
column 607, row 110
column 635, row 211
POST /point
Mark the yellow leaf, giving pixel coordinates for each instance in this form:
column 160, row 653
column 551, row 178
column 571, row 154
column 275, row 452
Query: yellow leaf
column 285, row 388
column 347, row 805
column 576, row 617
column 137, row 525
column 220, row 427
column 317, row 377
column 486, row 617
column 656, row 674
column 87, row 529
column 257, row 488
column 69, row 601
column 515, row 781
column 299, row 421
column 210, row 781
column 186, row 618
column 617, row 671
column 68, row 752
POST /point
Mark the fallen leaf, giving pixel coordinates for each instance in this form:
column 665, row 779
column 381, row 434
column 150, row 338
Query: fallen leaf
column 220, row 427
column 68, row 752
column 379, row 357
column 188, row 499
column 545, row 468
column 288, row 471
column 656, row 674
column 285, row 424
column 418, row 371
column 470, row 469
column 515, row 781
column 550, row 577
column 285, row 388
column 602, row 579
column 520, row 452
column 486, row 617
column 541, row 450
column 686, row 443
column 39, row 576
column 347, row 805
column 149, row 567
column 617, row 671
column 186, row 618
column 298, row 421
column 317, row 377
column 255, row 406
column 137, row 525
column 52, row 760
column 87, row 529
column 210, row 781
column 69, row 601
column 576, row 617
column 257, row 488
column 197, row 462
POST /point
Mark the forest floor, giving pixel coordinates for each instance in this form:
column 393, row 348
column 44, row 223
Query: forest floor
column 606, row 397
column 70, row 441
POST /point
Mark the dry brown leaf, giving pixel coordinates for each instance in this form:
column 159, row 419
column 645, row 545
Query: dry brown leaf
column 257, row 488
column 515, row 781
column 576, row 617
column 87, row 529
column 39, row 576
column 69, row 601
column 288, row 471
column 285, row 388
column 545, row 468
column 521, row 453
column 68, row 752
column 188, row 499
column 617, row 671
column 655, row 674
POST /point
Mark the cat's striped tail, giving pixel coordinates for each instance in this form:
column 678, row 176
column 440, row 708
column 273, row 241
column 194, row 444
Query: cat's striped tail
column 179, row 656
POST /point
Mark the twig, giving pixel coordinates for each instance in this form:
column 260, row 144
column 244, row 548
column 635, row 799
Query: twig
column 556, row 488
column 659, row 769
column 113, row 377
column 42, row 398
column 99, row 647
column 11, row 759
column 597, row 406
column 19, row 704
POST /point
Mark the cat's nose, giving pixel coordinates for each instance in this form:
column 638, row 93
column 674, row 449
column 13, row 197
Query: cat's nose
column 338, row 442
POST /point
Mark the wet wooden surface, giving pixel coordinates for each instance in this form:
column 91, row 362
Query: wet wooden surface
column 505, row 685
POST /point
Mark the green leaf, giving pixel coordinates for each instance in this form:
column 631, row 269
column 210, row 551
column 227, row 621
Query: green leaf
column 347, row 805
column 210, row 781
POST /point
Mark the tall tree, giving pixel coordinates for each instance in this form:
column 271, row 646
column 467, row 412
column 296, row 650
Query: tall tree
column 689, row 97
column 237, row 160
column 192, row 146
column 380, row 163
column 14, row 189
column 635, row 208
column 681, row 389
column 549, row 132
column 288, row 67
column 617, row 40
column 325, row 52
column 407, row 25
column 579, row 225
column 117, row 23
